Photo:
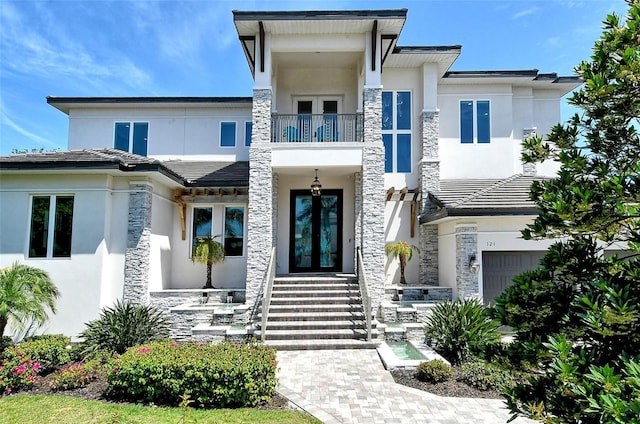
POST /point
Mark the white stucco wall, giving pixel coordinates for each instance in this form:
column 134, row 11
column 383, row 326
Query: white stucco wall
column 173, row 132
column 86, row 280
column 164, row 216
column 185, row 274
column 397, row 217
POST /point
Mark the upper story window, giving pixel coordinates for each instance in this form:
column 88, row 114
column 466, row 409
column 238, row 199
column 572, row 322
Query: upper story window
column 248, row 127
column 227, row 134
column 131, row 137
column 51, row 225
column 475, row 121
column 396, row 130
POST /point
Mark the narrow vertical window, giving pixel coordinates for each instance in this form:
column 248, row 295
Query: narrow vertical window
column 483, row 121
column 39, row 234
column 202, row 220
column 121, row 137
column 234, row 231
column 466, row 121
column 404, row 152
column 140, row 136
column 62, row 227
column 387, row 140
column 228, row 134
column 403, row 110
column 248, row 128
column 387, row 110
column 51, row 227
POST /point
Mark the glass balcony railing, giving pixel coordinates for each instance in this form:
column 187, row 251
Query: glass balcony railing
column 341, row 127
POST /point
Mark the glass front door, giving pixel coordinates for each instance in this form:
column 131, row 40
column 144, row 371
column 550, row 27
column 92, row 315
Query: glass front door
column 316, row 231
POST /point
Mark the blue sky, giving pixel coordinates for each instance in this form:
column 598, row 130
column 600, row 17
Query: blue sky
column 190, row 48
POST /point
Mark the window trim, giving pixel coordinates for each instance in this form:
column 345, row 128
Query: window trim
column 218, row 222
column 235, row 134
column 394, row 131
column 474, row 110
column 51, row 225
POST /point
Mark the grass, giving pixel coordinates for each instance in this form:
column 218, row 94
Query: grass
column 43, row 409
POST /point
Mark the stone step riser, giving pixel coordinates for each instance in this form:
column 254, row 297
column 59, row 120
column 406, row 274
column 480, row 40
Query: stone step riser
column 315, row 317
column 311, row 336
column 320, row 326
column 314, row 301
column 321, row 345
column 313, row 289
column 316, row 294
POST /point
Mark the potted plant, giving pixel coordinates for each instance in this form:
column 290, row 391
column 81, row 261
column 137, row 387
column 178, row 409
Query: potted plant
column 209, row 252
column 404, row 252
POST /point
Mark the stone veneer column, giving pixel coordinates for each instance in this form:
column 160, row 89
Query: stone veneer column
column 137, row 255
column 466, row 246
column 429, row 181
column 260, row 220
column 529, row 169
column 357, row 218
column 372, row 236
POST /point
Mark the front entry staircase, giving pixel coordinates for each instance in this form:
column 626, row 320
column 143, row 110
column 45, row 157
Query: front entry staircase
column 317, row 312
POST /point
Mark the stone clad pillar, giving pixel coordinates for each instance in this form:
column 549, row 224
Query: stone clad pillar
column 467, row 282
column 260, row 217
column 429, row 182
column 138, row 253
column 373, row 196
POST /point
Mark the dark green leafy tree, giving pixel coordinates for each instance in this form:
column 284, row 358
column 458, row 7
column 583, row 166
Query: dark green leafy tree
column 578, row 315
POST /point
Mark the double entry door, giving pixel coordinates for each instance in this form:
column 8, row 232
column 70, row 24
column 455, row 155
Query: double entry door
column 315, row 231
column 318, row 117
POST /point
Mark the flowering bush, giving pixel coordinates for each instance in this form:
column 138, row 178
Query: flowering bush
column 50, row 351
column 17, row 374
column 78, row 374
column 221, row 375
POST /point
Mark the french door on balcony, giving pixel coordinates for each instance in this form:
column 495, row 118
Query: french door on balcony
column 315, row 231
column 311, row 129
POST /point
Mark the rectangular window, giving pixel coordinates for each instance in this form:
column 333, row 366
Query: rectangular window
column 234, row 231
column 396, row 131
column 475, row 126
column 51, row 213
column 202, row 220
column 228, row 134
column 248, row 128
column 131, row 141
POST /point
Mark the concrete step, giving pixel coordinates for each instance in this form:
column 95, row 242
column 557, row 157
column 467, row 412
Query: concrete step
column 319, row 334
column 326, row 344
column 315, row 307
column 315, row 325
column 315, row 316
column 314, row 287
column 315, row 279
column 275, row 294
column 324, row 300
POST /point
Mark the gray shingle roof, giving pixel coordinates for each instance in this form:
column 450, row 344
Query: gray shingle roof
column 185, row 173
column 482, row 197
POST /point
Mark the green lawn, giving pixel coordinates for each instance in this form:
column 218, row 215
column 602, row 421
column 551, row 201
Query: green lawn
column 41, row 409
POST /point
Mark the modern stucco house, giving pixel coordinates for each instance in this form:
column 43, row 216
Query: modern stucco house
column 404, row 149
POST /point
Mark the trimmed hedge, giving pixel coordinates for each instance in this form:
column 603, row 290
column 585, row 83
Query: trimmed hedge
column 220, row 375
column 50, row 351
column 434, row 371
column 486, row 375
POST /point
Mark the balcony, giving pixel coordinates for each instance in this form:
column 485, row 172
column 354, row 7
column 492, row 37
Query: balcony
column 320, row 128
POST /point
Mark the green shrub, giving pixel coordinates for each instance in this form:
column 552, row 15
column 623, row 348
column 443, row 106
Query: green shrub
column 78, row 374
column 50, row 351
column 435, row 371
column 486, row 375
column 461, row 328
column 220, row 375
column 124, row 326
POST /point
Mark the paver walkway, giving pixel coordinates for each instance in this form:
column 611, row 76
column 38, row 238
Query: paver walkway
column 352, row 387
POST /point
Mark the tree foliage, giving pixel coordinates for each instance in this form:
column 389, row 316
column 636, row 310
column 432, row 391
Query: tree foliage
column 580, row 311
column 27, row 295
column 209, row 252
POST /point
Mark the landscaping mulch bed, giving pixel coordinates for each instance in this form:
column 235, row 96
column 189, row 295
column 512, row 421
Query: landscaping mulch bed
column 454, row 387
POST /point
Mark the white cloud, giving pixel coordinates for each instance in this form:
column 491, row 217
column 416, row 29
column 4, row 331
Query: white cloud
column 526, row 12
column 39, row 141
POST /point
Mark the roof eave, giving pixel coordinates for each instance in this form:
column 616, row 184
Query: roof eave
column 432, row 217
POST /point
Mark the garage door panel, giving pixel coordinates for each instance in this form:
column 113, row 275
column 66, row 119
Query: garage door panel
column 499, row 268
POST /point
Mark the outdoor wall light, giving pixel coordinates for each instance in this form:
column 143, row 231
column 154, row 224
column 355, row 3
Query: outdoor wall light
column 474, row 265
column 316, row 186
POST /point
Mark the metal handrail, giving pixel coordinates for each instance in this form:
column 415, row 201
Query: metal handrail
column 319, row 128
column 364, row 292
column 266, row 299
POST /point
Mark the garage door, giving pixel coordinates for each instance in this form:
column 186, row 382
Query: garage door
column 499, row 268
